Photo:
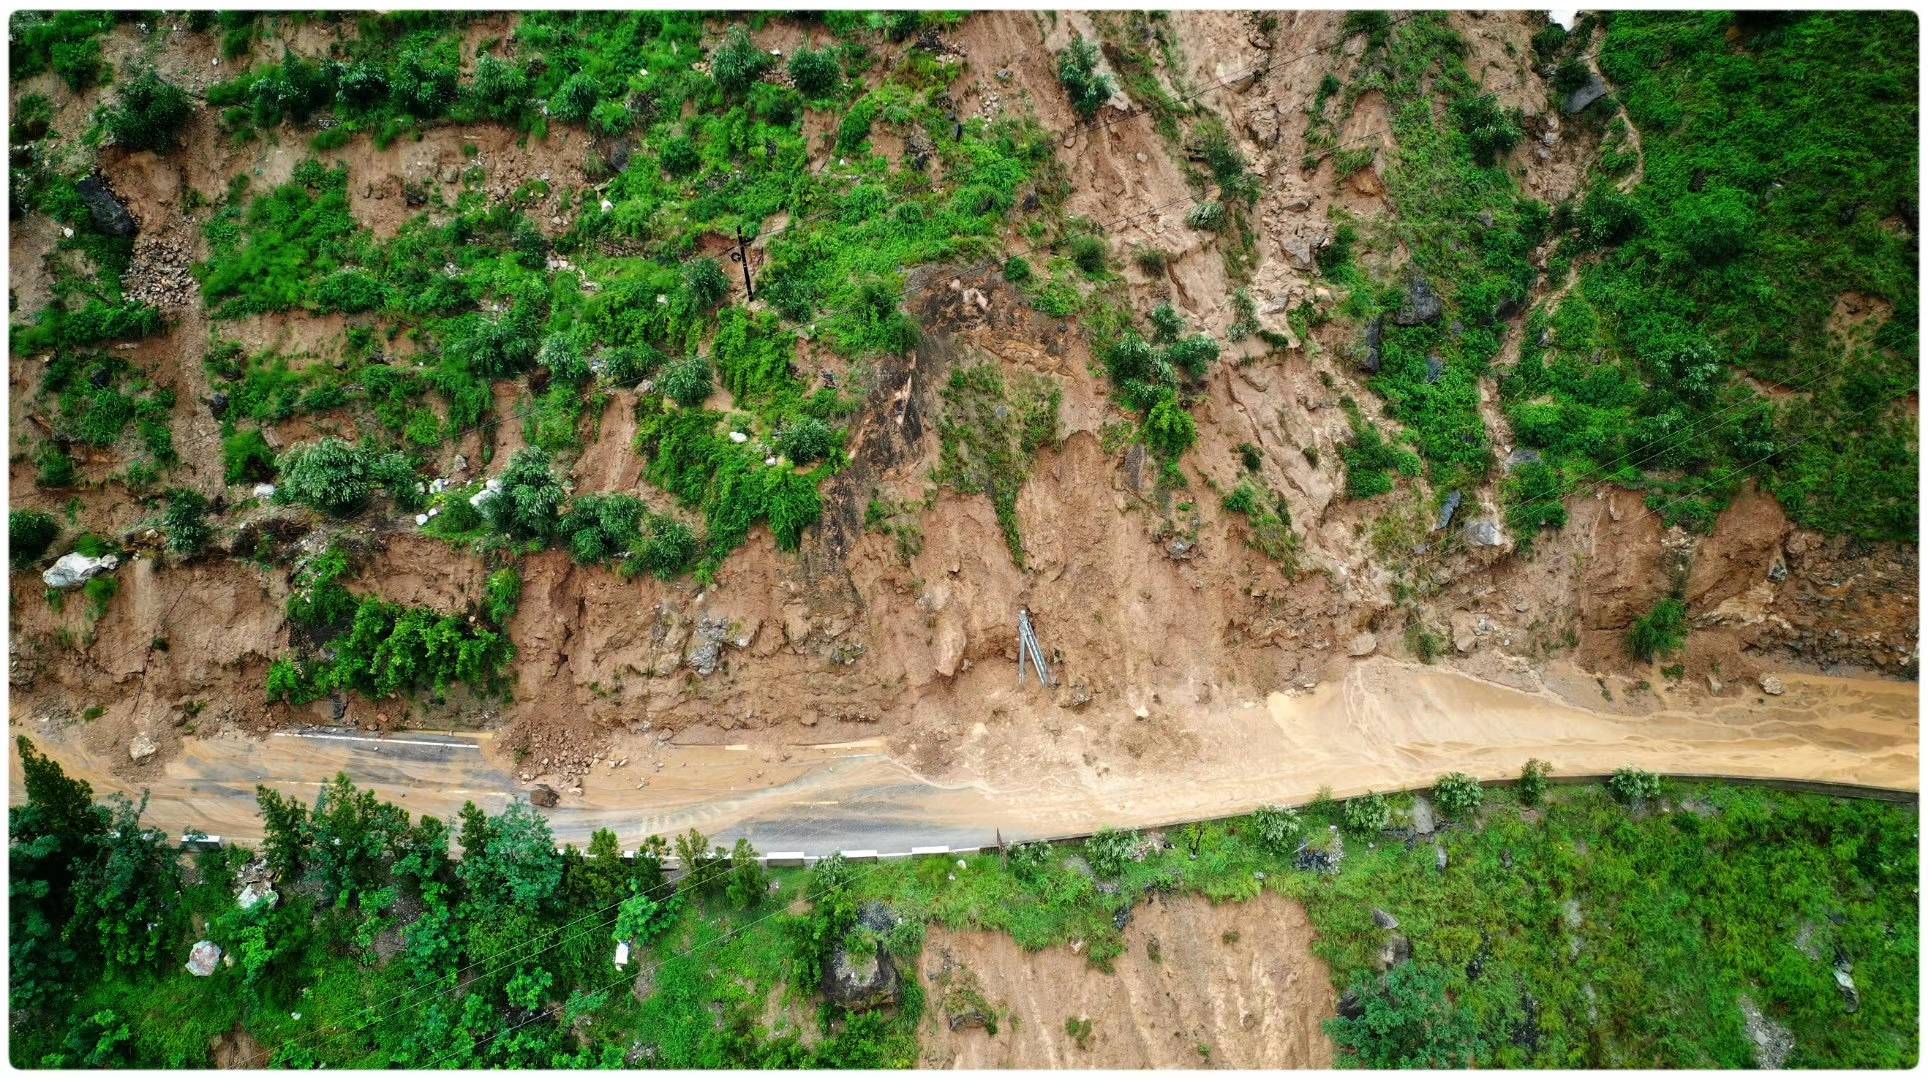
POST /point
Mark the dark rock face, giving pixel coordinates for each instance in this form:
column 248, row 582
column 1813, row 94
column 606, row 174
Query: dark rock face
column 1350, row 1006
column 1422, row 305
column 1448, row 509
column 862, row 983
column 109, row 213
column 1375, row 335
column 543, row 795
column 1594, row 90
column 1435, row 367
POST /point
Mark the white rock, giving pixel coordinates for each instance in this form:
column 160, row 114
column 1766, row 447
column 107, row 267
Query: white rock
column 142, row 747
column 607, row 206
column 1142, row 713
column 437, row 486
column 202, row 959
column 1362, row 645
column 739, row 437
column 74, row 568
column 421, row 519
column 256, row 893
column 622, row 954
column 1773, row 686
column 264, row 491
column 771, row 460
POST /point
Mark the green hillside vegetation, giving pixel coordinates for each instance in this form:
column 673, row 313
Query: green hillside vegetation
column 1781, row 162
column 1580, row 933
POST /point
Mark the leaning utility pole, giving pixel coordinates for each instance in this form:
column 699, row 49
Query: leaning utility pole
column 742, row 255
column 1028, row 647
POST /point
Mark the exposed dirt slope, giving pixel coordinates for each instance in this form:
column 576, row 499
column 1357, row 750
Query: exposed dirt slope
column 1198, row 986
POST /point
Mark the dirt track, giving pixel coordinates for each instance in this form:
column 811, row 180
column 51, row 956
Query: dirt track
column 1386, row 725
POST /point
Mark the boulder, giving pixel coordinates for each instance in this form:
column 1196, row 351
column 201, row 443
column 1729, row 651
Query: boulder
column 203, row 958
column 1375, row 335
column 543, row 795
column 264, row 491
column 1396, row 951
column 142, row 747
column 1772, row 1042
column 1772, row 685
column 255, row 892
column 862, row 983
column 1423, row 823
column 1594, row 89
column 1362, row 645
column 1448, row 509
column 1383, row 919
column 74, row 569
column 1485, row 532
column 1422, row 304
column 109, row 213
column 1849, row 996
column 1435, row 367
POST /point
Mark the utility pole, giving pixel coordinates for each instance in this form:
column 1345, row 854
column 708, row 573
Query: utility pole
column 742, row 255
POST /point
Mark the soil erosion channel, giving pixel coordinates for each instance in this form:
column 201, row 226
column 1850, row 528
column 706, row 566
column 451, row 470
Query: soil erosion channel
column 1386, row 725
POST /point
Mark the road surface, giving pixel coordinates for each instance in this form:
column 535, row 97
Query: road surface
column 1385, row 726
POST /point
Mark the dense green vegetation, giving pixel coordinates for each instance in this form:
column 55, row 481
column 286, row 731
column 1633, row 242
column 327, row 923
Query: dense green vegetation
column 1770, row 192
column 379, row 649
column 1596, row 930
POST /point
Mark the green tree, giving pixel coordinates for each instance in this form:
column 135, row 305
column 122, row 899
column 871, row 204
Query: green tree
column 529, row 505
column 51, row 838
column 510, row 860
column 749, row 884
column 185, row 522
column 1533, row 782
column 127, row 902
column 352, row 840
column 284, row 824
column 1087, row 87
column 1406, row 1021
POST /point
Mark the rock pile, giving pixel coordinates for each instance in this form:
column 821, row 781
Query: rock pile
column 159, row 275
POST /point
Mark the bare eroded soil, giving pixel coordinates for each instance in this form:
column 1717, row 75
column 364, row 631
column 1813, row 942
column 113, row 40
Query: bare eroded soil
column 1232, row 986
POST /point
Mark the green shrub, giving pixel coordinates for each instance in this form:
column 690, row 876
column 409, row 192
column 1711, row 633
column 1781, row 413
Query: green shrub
column 1633, row 786
column 56, row 468
column 1017, row 270
column 29, row 534
column 1660, row 632
column 806, row 440
column 1277, row 829
column 336, row 477
column 1368, row 813
column 529, row 504
column 1533, row 781
column 1088, row 88
column 185, row 522
column 100, row 592
column 1090, row 254
column 1458, row 795
column 246, row 456
column 815, row 71
column 1109, row 851
column 686, row 380
column 148, row 113
column 737, row 62
column 1406, row 1020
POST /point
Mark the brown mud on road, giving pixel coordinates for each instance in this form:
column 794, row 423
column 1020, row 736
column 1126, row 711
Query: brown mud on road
column 1386, row 725
column 1230, row 986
